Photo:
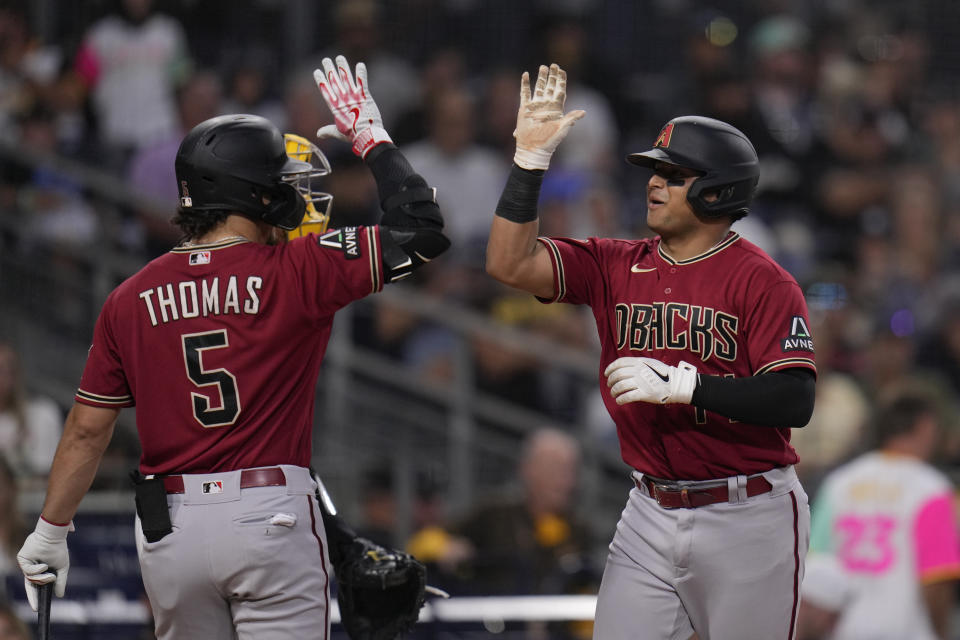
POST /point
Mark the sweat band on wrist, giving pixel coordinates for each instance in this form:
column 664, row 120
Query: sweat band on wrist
column 369, row 138
column 518, row 202
column 532, row 158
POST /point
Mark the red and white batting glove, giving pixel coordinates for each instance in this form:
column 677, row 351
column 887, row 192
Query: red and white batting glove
column 357, row 118
column 44, row 558
column 541, row 125
column 649, row 380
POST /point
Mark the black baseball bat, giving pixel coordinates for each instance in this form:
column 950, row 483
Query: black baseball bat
column 44, row 600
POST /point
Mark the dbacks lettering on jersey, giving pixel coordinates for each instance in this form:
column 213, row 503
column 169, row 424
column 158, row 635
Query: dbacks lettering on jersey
column 194, row 298
column 672, row 325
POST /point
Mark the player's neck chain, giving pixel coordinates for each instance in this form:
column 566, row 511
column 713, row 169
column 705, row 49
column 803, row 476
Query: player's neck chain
column 190, row 243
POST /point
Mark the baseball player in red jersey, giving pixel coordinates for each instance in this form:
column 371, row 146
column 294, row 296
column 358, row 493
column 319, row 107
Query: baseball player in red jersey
column 218, row 344
column 706, row 363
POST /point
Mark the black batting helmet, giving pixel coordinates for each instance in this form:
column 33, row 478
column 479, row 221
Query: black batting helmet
column 721, row 152
column 230, row 163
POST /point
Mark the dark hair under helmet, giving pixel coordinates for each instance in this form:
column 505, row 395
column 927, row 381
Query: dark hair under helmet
column 229, row 163
column 721, row 152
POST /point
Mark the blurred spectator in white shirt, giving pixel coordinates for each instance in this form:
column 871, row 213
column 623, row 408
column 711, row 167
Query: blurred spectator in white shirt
column 29, row 426
column 468, row 176
column 132, row 60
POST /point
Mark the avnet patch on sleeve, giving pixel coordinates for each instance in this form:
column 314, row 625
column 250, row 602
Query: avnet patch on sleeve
column 799, row 338
column 345, row 240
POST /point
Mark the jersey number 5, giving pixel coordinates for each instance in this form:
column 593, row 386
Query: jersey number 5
column 194, row 345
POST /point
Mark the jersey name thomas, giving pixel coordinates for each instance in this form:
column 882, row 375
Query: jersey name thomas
column 202, row 298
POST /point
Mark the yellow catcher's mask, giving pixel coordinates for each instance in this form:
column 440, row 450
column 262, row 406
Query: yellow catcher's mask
column 317, row 216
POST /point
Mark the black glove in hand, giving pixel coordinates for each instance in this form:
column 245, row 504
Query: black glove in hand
column 380, row 591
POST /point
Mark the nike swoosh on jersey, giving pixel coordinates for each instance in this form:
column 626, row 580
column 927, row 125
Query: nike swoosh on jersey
column 636, row 269
column 659, row 375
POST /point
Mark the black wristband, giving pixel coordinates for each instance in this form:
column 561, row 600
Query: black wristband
column 518, row 202
column 375, row 153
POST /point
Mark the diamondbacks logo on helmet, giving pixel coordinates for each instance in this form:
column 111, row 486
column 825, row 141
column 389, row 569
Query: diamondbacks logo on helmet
column 663, row 140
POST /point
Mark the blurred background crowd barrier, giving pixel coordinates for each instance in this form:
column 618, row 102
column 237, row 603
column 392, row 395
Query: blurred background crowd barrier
column 435, row 392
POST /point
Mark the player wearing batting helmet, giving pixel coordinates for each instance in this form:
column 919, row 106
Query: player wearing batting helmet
column 218, row 343
column 707, row 363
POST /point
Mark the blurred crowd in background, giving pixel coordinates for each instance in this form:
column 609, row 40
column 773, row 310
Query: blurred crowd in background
column 853, row 106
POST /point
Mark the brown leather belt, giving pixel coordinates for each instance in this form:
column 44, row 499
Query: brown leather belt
column 671, row 496
column 267, row 477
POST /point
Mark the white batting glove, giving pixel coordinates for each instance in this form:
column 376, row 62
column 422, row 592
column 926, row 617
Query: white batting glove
column 541, row 125
column 43, row 558
column 649, row 380
column 356, row 115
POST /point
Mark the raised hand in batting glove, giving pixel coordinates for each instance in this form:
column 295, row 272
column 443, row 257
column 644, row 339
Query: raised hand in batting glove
column 356, row 115
column 541, row 125
column 649, row 380
column 380, row 591
column 43, row 558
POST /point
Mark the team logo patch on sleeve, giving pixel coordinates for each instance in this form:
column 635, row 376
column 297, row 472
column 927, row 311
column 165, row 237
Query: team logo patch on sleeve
column 799, row 338
column 344, row 240
column 199, row 257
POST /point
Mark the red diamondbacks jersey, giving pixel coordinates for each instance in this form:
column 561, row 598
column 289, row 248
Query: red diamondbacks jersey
column 219, row 347
column 731, row 312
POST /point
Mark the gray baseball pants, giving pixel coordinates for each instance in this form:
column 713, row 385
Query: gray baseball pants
column 241, row 563
column 729, row 571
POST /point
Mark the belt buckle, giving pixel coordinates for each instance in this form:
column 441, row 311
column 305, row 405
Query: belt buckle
column 658, row 488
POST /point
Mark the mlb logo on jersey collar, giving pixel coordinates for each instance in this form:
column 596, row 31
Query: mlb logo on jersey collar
column 214, row 486
column 199, row 257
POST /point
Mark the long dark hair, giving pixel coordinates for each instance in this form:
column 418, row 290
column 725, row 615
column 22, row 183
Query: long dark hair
column 195, row 224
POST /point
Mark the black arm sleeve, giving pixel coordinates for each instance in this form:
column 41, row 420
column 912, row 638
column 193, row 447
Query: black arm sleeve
column 411, row 229
column 776, row 399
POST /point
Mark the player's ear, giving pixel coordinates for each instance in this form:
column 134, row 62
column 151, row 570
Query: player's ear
column 711, row 196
